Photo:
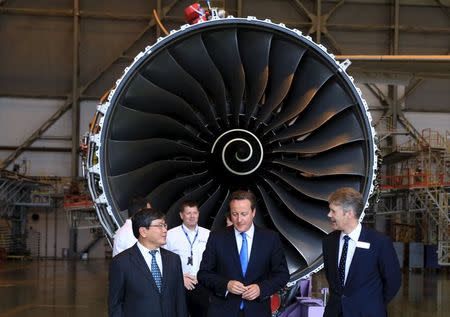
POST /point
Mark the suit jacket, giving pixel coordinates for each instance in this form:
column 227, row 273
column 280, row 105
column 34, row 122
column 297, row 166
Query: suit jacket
column 373, row 278
column 220, row 263
column 133, row 291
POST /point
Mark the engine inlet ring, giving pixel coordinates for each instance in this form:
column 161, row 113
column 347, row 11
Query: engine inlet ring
column 235, row 103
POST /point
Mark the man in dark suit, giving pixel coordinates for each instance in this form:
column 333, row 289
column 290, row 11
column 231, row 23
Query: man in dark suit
column 242, row 265
column 146, row 280
column 361, row 265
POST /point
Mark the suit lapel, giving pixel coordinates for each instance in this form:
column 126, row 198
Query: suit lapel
column 335, row 250
column 142, row 266
column 256, row 247
column 233, row 246
column 165, row 265
column 335, row 255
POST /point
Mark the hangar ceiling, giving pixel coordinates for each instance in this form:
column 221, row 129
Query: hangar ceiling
column 76, row 49
column 37, row 55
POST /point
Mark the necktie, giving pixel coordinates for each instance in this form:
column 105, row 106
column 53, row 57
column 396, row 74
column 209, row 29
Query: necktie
column 342, row 261
column 155, row 270
column 243, row 255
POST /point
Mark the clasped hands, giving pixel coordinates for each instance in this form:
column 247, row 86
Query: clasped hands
column 249, row 292
column 189, row 281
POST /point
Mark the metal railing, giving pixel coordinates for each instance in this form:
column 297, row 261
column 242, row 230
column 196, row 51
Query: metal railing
column 411, row 180
column 33, row 243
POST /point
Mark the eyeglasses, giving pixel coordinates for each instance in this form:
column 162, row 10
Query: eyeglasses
column 159, row 225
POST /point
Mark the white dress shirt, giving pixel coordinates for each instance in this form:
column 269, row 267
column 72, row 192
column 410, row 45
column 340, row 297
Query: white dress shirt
column 354, row 237
column 249, row 235
column 178, row 243
column 123, row 238
column 148, row 257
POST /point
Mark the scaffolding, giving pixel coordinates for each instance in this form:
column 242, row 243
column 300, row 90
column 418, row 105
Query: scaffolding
column 81, row 215
column 415, row 188
column 17, row 194
column 80, row 212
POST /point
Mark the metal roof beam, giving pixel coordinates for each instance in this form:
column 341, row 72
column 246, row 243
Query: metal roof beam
column 68, row 103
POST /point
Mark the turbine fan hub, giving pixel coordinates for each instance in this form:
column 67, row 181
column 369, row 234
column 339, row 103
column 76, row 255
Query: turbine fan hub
column 239, row 150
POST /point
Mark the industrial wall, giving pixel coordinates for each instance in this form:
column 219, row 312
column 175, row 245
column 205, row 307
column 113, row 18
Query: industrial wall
column 38, row 62
column 41, row 57
column 19, row 117
column 48, row 236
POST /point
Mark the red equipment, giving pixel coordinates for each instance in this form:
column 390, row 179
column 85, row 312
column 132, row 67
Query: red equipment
column 195, row 13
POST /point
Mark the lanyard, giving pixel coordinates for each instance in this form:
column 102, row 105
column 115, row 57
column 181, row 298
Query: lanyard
column 189, row 240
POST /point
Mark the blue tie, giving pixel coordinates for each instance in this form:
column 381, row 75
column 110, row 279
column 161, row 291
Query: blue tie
column 243, row 255
column 342, row 261
column 155, row 270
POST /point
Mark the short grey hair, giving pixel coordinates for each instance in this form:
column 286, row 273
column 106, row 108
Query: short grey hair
column 349, row 199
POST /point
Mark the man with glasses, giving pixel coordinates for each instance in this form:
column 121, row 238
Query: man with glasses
column 189, row 241
column 147, row 280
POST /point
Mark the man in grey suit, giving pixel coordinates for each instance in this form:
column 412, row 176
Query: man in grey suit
column 146, row 280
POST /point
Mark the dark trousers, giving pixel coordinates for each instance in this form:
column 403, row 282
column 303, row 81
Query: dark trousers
column 198, row 301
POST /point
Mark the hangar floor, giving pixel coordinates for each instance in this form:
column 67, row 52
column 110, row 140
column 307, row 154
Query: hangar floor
column 79, row 288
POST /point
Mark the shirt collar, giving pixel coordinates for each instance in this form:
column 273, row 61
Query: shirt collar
column 354, row 235
column 144, row 250
column 249, row 233
column 186, row 229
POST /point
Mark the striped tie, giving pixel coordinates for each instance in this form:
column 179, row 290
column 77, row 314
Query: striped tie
column 155, row 270
column 342, row 261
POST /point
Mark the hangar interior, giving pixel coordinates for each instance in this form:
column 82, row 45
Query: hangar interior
column 60, row 59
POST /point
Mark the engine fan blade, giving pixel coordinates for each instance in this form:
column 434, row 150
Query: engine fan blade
column 172, row 216
column 310, row 77
column 306, row 241
column 133, row 125
column 163, row 196
column 192, row 55
column 142, row 181
column 145, row 96
column 284, row 59
column 319, row 188
column 312, row 213
column 256, row 66
column 126, row 156
column 219, row 219
column 209, row 208
column 343, row 160
column 341, row 130
column 224, row 50
column 328, row 103
column 179, row 83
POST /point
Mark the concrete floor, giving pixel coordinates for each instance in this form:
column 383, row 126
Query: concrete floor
column 54, row 288
column 65, row 288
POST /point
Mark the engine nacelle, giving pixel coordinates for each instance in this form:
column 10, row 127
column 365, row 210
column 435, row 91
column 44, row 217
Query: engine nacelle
column 227, row 104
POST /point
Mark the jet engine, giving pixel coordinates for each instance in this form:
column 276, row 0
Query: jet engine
column 234, row 103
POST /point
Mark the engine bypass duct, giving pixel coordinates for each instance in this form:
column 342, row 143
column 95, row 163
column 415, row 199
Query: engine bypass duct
column 234, row 103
